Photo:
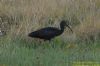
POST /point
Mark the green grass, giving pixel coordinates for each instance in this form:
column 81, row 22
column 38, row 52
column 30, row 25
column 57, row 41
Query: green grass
column 21, row 53
column 20, row 17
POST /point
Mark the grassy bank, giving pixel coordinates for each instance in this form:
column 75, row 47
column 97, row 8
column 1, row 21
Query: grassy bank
column 20, row 17
column 22, row 53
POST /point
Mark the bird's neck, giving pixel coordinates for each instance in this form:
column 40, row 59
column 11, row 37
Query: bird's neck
column 62, row 29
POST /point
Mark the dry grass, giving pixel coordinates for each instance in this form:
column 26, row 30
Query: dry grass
column 19, row 17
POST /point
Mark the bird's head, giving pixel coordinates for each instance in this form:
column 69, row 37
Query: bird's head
column 64, row 24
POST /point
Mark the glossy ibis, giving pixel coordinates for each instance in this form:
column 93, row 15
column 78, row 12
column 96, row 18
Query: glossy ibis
column 49, row 32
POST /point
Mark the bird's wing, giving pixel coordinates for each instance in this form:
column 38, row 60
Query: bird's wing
column 48, row 31
column 45, row 33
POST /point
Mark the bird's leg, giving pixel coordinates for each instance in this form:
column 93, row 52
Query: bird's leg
column 52, row 43
column 40, row 41
column 49, row 40
column 45, row 40
column 37, row 43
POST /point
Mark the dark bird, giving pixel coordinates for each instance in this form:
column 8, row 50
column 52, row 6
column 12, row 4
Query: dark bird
column 49, row 32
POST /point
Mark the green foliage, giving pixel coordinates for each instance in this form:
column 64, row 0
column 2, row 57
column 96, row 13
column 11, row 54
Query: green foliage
column 20, row 17
column 18, row 52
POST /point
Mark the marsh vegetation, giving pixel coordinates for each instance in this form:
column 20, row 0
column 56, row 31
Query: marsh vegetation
column 20, row 17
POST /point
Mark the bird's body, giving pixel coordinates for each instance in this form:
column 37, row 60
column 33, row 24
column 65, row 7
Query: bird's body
column 45, row 33
column 49, row 32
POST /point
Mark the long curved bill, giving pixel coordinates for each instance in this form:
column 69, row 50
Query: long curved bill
column 70, row 28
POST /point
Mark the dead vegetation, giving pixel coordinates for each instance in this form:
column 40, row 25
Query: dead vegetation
column 19, row 17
